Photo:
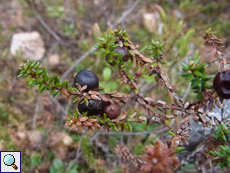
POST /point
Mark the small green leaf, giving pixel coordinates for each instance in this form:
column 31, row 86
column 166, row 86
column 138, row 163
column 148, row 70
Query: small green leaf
column 33, row 64
column 67, row 85
column 63, row 84
column 46, row 78
column 185, row 74
column 125, row 126
column 43, row 89
column 111, row 124
column 36, row 65
column 190, row 77
column 49, row 86
column 197, row 73
column 20, row 75
column 107, row 120
column 184, row 64
column 143, row 48
column 179, row 25
column 45, row 73
column 115, row 128
column 32, row 84
column 57, row 85
column 39, row 72
column 40, row 86
column 28, row 72
column 131, row 53
column 52, row 78
column 126, row 44
column 52, row 91
column 126, row 38
column 30, row 81
column 129, row 126
column 199, row 67
column 86, row 101
column 171, row 133
column 75, row 99
column 57, row 80
column 199, row 96
column 23, row 71
column 104, row 116
column 186, row 68
column 28, row 62
column 56, row 94
column 198, row 82
column 70, row 89
column 212, row 153
column 179, row 149
column 197, row 60
column 131, row 77
column 38, row 80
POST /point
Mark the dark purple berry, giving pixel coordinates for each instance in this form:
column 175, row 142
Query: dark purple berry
column 94, row 108
column 221, row 84
column 85, row 77
column 121, row 50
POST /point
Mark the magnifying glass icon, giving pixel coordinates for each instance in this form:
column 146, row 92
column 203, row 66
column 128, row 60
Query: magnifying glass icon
column 9, row 160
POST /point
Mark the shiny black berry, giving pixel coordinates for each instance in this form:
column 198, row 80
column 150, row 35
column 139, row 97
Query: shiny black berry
column 121, row 50
column 88, row 78
column 112, row 110
column 221, row 84
column 94, row 108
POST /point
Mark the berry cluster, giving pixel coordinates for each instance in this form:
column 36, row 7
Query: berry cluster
column 89, row 79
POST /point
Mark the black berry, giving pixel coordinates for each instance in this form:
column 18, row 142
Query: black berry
column 112, row 110
column 221, row 84
column 88, row 78
column 94, row 108
column 121, row 50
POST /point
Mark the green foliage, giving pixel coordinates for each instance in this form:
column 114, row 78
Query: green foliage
column 157, row 49
column 221, row 132
column 59, row 167
column 139, row 149
column 36, row 159
column 197, row 76
column 56, row 11
column 224, row 156
column 87, row 151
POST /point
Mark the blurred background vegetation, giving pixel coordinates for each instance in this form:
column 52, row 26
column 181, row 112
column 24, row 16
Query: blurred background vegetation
column 34, row 124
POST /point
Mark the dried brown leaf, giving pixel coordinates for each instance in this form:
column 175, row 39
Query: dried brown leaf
column 78, row 86
column 93, row 92
column 117, row 95
column 83, row 119
column 95, row 98
column 142, row 118
column 83, row 88
column 133, row 115
column 86, row 123
column 113, row 92
column 170, row 116
column 91, row 120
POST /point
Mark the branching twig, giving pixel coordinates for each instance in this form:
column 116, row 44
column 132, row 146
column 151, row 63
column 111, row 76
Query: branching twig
column 92, row 49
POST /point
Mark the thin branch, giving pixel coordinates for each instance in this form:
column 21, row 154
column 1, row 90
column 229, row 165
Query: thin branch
column 43, row 23
column 187, row 91
column 59, row 105
column 136, row 133
column 36, row 112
